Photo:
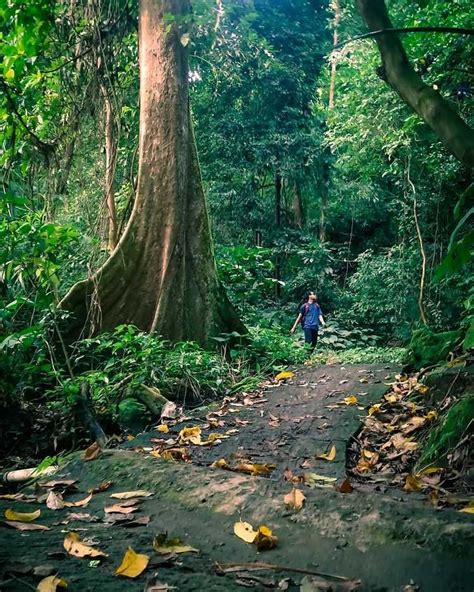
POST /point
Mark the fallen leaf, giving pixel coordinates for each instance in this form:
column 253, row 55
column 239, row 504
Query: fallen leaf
column 363, row 380
column 469, row 509
column 101, row 487
column 120, row 509
column 190, row 435
column 169, row 410
column 413, row 424
column 316, row 584
column 177, row 454
column 220, row 464
column 255, row 468
column 22, row 516
column 345, row 486
column 51, row 584
column 160, row 587
column 413, row 483
column 130, row 494
column 265, row 539
column 54, row 501
column 351, row 400
column 245, row 531
column 24, row 525
column 74, row 546
column 374, row 409
column 295, row 499
column 430, row 470
column 163, row 428
column 92, row 452
column 59, row 483
column 284, row 375
column 17, row 497
column 133, row 564
column 319, row 481
column 432, row 415
column 82, row 517
column 79, row 503
column 329, row 456
column 163, row 545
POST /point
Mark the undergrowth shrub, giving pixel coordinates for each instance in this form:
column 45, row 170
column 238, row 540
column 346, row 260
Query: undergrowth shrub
column 361, row 355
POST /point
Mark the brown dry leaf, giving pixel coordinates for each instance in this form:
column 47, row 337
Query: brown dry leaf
column 255, row 468
column 163, row 428
column 101, row 487
column 92, row 452
column 16, row 497
column 316, row 584
column 81, row 516
column 22, row 516
column 284, row 375
column 245, row 531
column 190, row 435
column 54, row 501
column 125, row 495
column 295, row 499
column 74, row 546
column 51, row 584
column 413, row 483
column 120, row 509
column 345, row 486
column 24, row 525
column 163, row 545
column 79, row 503
column 133, row 564
column 351, row 400
column 264, row 539
column 414, row 423
column 329, row 456
column 59, row 483
column 288, row 475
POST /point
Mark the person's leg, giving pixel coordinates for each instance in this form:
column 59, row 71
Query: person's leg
column 308, row 339
column 314, row 340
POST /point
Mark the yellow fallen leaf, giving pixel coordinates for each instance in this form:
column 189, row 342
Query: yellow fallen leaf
column 190, row 435
column 295, row 499
column 391, row 397
column 431, row 470
column 220, row 464
column 413, row 483
column 130, row 494
column 22, row 516
column 284, row 375
column 80, row 503
column 133, row 564
column 432, row 415
column 319, row 481
column 74, row 546
column 469, row 509
column 130, row 437
column 163, row 545
column 265, row 539
column 375, row 408
column 421, row 388
column 331, row 455
column 351, row 400
column 245, row 531
column 163, row 428
column 51, row 584
column 255, row 468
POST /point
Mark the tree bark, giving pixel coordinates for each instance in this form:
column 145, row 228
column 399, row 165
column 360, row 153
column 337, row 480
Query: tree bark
column 162, row 275
column 455, row 134
column 111, row 141
column 278, row 187
column 332, row 85
column 297, row 207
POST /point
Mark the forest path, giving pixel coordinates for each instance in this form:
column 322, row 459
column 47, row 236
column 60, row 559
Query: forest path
column 383, row 536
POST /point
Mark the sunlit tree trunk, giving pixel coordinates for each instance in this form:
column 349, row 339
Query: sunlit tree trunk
column 455, row 134
column 162, row 275
column 111, row 141
column 337, row 18
column 297, row 206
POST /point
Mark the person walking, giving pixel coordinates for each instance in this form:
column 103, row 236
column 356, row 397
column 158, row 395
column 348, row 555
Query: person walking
column 311, row 318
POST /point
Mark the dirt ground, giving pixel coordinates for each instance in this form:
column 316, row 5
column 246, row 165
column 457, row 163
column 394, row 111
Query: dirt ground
column 388, row 539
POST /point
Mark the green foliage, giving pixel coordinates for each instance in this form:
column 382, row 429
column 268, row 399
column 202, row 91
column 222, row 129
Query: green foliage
column 361, row 355
column 270, row 348
column 427, row 348
column 451, row 428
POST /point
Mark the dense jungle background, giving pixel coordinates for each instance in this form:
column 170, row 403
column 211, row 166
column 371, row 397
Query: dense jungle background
column 318, row 175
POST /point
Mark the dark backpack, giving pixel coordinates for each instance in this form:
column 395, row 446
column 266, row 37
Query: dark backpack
column 306, row 308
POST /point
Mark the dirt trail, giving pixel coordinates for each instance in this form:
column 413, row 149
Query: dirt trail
column 380, row 535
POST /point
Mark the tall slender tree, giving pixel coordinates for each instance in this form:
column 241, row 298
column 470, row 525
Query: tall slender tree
column 162, row 276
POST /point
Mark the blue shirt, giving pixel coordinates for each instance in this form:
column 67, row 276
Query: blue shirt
column 311, row 313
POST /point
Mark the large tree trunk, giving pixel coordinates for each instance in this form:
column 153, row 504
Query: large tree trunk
column 162, row 275
column 335, row 40
column 455, row 134
column 297, row 206
column 278, row 188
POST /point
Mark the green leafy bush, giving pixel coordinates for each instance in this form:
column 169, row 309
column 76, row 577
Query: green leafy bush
column 361, row 355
